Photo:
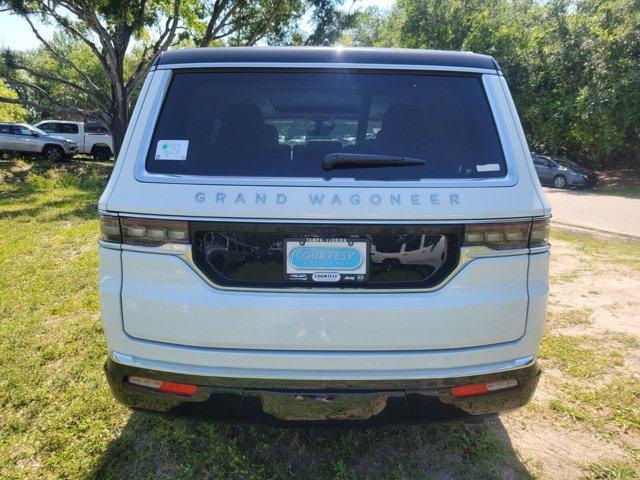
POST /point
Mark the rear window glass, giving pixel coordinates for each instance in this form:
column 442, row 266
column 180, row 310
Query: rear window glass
column 69, row 128
column 50, row 127
column 284, row 124
column 95, row 128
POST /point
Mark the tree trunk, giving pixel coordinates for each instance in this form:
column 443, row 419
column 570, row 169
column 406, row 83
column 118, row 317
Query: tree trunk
column 118, row 126
column 120, row 111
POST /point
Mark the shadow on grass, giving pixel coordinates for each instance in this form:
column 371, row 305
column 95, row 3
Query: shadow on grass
column 51, row 192
column 81, row 205
column 631, row 192
column 155, row 447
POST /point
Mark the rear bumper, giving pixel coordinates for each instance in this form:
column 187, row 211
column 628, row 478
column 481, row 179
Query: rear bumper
column 319, row 402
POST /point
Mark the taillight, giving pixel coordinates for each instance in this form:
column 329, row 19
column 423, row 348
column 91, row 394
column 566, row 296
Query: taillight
column 110, row 228
column 143, row 231
column 173, row 388
column 539, row 233
column 482, row 388
column 498, row 236
column 507, row 235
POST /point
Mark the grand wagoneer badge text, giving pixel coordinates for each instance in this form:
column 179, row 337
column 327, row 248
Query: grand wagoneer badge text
column 334, row 199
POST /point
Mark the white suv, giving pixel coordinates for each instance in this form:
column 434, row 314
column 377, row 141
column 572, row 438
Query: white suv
column 314, row 234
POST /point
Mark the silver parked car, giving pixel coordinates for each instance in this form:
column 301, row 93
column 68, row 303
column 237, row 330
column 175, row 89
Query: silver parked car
column 563, row 173
column 23, row 138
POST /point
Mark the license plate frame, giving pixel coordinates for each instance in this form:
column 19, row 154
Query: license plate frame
column 326, row 260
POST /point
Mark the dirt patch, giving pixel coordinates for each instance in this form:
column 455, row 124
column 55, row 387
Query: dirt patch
column 558, row 452
column 618, row 179
column 599, row 300
column 582, row 282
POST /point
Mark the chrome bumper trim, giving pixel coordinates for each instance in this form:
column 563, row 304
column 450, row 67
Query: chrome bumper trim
column 277, row 376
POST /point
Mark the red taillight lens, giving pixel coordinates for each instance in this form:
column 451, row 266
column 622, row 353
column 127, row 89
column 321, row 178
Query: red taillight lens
column 481, row 388
column 178, row 388
column 173, row 388
column 469, row 390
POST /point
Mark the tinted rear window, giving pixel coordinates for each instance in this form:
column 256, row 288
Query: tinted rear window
column 71, row 128
column 95, row 128
column 282, row 124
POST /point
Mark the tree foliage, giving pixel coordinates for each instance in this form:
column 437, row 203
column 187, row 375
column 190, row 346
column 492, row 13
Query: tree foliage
column 11, row 112
column 573, row 66
column 95, row 65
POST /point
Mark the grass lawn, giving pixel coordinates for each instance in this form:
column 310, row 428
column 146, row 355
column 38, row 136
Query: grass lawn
column 58, row 419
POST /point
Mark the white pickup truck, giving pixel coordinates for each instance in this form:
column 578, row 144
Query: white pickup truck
column 92, row 138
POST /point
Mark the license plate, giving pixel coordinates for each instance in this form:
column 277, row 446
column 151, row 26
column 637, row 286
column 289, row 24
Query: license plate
column 326, row 260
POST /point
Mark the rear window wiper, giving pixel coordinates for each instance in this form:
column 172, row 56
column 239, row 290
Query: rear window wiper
column 368, row 159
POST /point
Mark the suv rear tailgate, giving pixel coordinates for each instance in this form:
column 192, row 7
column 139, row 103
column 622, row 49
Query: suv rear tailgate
column 165, row 300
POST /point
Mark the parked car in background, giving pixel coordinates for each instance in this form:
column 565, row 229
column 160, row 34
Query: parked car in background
column 92, row 138
column 23, row 138
column 563, row 173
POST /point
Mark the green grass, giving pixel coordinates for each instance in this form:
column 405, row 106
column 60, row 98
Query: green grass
column 59, row 420
column 570, row 317
column 614, row 406
column 627, row 192
column 579, row 356
column 615, row 251
column 612, row 471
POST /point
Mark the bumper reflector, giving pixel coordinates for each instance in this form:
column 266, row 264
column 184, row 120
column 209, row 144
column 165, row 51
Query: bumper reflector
column 172, row 388
column 482, row 388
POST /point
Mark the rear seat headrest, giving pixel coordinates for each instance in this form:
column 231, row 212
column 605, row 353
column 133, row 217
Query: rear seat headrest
column 270, row 135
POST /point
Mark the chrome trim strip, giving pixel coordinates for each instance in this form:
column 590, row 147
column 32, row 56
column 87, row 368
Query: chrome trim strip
column 524, row 361
column 328, row 65
column 110, row 245
column 275, row 375
column 141, row 174
column 191, row 218
column 540, row 249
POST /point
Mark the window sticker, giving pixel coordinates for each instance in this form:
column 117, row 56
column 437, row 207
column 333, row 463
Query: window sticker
column 172, row 150
column 488, row 167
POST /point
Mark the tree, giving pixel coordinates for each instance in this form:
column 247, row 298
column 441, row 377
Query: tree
column 368, row 30
column 114, row 44
column 11, row 111
column 573, row 66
